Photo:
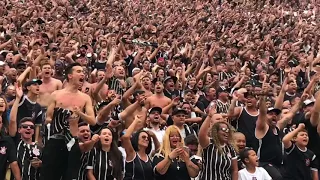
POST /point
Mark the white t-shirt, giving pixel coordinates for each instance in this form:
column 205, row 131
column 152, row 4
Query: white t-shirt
column 260, row 174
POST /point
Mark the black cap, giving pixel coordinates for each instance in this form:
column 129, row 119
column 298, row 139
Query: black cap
column 222, row 89
column 84, row 46
column 158, row 109
column 308, row 102
column 179, row 111
column 33, row 81
column 170, row 77
column 251, row 94
column 272, row 109
column 155, row 80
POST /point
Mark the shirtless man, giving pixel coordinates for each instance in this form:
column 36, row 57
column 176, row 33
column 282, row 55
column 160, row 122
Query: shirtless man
column 134, row 109
column 67, row 106
column 48, row 86
column 158, row 99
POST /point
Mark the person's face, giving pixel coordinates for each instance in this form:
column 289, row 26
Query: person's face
column 174, row 139
column 251, row 101
column 231, row 66
column 119, row 71
column 143, row 139
column 252, row 158
column 146, row 81
column 11, row 91
column 240, row 141
column 272, row 119
column 84, row 134
column 223, row 133
column 26, row 130
column 188, row 97
column 161, row 74
column 9, row 57
column 103, row 53
column 100, row 75
column 158, row 87
column 146, row 65
column 77, row 76
column 2, row 105
column 24, row 49
column 192, row 82
column 106, row 137
column 111, row 94
column 21, row 68
column 193, row 149
column 186, row 107
column 179, row 119
column 141, row 98
column 154, row 117
column 292, row 87
column 47, row 71
column 302, row 138
column 170, row 84
column 34, row 89
column 200, row 83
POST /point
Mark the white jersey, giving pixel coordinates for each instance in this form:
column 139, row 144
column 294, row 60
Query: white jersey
column 260, row 174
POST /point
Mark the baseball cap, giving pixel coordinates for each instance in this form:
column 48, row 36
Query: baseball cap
column 179, row 111
column 33, row 81
column 170, row 77
column 158, row 109
column 272, row 109
column 308, row 102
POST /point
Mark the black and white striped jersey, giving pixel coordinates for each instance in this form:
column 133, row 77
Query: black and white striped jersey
column 25, row 153
column 99, row 161
column 217, row 166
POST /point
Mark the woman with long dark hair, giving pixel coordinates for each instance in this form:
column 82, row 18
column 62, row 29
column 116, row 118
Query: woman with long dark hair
column 105, row 160
column 138, row 164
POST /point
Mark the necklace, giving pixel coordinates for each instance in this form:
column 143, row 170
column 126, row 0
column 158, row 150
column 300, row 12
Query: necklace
column 178, row 166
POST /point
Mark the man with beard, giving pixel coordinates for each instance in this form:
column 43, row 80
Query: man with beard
column 158, row 99
column 155, row 123
column 61, row 155
column 134, row 109
column 59, row 70
column 245, row 118
column 28, row 152
column 268, row 131
column 86, row 143
column 22, row 56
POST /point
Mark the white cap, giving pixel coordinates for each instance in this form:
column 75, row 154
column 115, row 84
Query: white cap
column 308, row 102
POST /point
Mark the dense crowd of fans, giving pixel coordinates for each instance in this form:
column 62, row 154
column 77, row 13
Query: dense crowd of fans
column 151, row 89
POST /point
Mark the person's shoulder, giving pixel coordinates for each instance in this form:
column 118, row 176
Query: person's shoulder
column 261, row 170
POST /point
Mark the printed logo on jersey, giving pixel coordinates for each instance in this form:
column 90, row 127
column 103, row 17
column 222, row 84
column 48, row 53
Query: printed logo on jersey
column 3, row 150
column 307, row 162
column 36, row 151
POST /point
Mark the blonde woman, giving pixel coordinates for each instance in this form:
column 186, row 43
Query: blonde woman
column 173, row 160
column 219, row 157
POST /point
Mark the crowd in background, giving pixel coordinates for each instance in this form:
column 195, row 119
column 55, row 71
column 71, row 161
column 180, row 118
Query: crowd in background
column 150, row 89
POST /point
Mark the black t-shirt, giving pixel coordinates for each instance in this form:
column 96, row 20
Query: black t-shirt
column 7, row 154
column 99, row 65
column 314, row 139
column 204, row 101
column 177, row 169
column 299, row 163
column 138, row 169
column 28, row 108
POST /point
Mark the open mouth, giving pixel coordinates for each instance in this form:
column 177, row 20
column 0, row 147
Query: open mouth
column 28, row 132
column 81, row 80
column 86, row 137
column 47, row 73
column 1, row 105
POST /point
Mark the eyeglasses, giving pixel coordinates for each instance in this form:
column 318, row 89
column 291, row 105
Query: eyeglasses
column 225, row 129
column 24, row 126
column 145, row 137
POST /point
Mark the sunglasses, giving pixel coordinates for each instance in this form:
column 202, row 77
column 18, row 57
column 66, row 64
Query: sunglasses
column 145, row 137
column 225, row 129
column 24, row 126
